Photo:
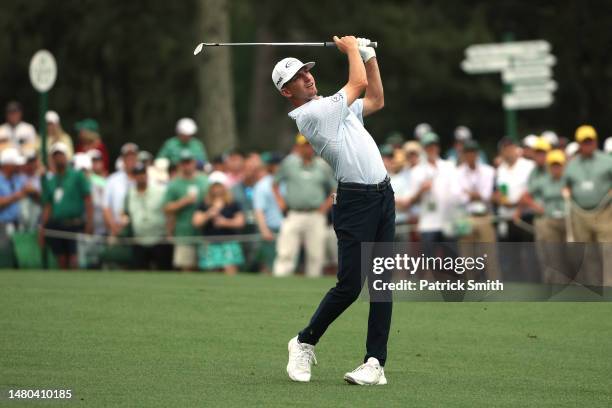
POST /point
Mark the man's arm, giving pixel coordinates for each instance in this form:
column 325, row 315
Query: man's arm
column 374, row 99
column 358, row 80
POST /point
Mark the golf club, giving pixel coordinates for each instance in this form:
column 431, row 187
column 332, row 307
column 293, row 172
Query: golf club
column 201, row 46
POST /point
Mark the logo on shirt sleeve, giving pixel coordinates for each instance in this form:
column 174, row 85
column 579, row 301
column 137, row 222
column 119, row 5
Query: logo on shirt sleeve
column 337, row 97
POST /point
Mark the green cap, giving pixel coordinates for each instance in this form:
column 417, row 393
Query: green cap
column 470, row 145
column 87, row 124
column 386, row 150
column 186, row 155
column 430, row 138
column 394, row 138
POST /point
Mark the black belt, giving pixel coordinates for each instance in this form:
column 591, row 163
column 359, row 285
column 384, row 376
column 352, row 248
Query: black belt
column 383, row 185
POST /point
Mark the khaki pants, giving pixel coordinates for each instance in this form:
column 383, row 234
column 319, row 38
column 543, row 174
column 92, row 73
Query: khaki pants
column 185, row 256
column 595, row 227
column 307, row 227
column 483, row 232
column 550, row 236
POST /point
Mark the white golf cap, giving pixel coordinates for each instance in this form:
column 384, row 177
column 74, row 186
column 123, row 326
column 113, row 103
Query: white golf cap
column 462, row 133
column 421, row 129
column 285, row 69
column 82, row 161
column 608, row 145
column 52, row 117
column 571, row 149
column 551, row 137
column 186, row 126
column 11, row 156
column 218, row 177
column 530, row 141
column 59, row 147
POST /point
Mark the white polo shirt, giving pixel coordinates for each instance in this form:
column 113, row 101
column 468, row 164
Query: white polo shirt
column 336, row 132
column 514, row 180
column 481, row 179
column 117, row 186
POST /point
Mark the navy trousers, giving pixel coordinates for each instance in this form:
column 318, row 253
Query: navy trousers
column 362, row 213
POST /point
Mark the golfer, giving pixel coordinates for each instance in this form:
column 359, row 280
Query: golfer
column 364, row 209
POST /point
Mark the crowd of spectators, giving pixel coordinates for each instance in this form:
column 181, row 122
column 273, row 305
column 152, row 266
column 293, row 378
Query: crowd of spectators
column 180, row 209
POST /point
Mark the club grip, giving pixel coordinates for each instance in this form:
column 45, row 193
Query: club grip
column 372, row 44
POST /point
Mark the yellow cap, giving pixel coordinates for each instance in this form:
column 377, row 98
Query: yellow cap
column 585, row 132
column 555, row 156
column 542, row 144
column 300, row 139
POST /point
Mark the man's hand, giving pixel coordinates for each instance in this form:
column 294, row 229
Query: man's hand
column 346, row 44
column 365, row 51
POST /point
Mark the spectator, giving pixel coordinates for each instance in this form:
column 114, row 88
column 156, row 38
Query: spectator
column 219, row 215
column 434, row 186
column 529, row 143
column 476, row 180
column 511, row 184
column 310, row 183
column 608, row 145
column 535, row 183
column 394, row 161
column 455, row 155
column 551, row 232
column 246, row 172
column 146, row 158
column 144, row 210
column 421, row 129
column 29, row 218
column 589, row 179
column 117, row 187
column 89, row 139
column 55, row 133
column 268, row 215
column 21, row 134
column 552, row 138
column 180, row 202
column 404, row 211
column 5, row 141
column 67, row 207
column 13, row 188
column 235, row 167
column 172, row 149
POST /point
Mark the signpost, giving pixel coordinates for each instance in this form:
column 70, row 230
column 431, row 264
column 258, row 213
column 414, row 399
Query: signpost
column 526, row 72
column 43, row 72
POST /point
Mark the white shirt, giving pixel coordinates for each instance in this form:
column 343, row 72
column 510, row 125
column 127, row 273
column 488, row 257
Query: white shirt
column 515, row 181
column 117, row 186
column 400, row 182
column 22, row 134
column 438, row 205
column 336, row 132
column 480, row 179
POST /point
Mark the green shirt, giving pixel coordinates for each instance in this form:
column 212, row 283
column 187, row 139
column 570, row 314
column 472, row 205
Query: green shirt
column 179, row 188
column 66, row 194
column 535, row 182
column 146, row 212
column 589, row 178
column 173, row 147
column 552, row 197
column 308, row 186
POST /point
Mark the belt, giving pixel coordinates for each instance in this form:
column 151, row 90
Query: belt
column 383, row 185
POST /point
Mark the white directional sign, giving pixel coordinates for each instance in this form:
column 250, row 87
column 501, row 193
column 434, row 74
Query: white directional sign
column 43, row 71
column 524, row 65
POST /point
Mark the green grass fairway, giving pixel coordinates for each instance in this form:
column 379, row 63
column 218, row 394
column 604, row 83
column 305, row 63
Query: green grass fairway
column 178, row 340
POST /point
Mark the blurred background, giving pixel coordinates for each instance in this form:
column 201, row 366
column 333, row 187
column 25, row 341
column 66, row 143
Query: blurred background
column 130, row 65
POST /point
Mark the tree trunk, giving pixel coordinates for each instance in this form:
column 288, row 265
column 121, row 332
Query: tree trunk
column 215, row 113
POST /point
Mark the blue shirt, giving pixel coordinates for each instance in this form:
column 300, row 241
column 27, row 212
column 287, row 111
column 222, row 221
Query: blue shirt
column 336, row 132
column 9, row 187
column 264, row 200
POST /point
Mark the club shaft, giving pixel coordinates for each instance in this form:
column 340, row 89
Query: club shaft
column 280, row 44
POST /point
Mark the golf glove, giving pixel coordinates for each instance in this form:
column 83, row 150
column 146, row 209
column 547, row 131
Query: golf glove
column 365, row 51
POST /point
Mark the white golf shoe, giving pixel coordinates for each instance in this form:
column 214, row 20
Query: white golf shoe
column 301, row 358
column 369, row 373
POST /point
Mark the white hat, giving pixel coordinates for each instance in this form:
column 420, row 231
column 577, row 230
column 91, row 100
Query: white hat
column 530, row 141
column 11, row 156
column 608, row 145
column 218, row 177
column 421, row 129
column 285, row 69
column 52, row 117
column 59, row 147
column 82, row 161
column 571, row 149
column 551, row 137
column 186, row 126
column 462, row 133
